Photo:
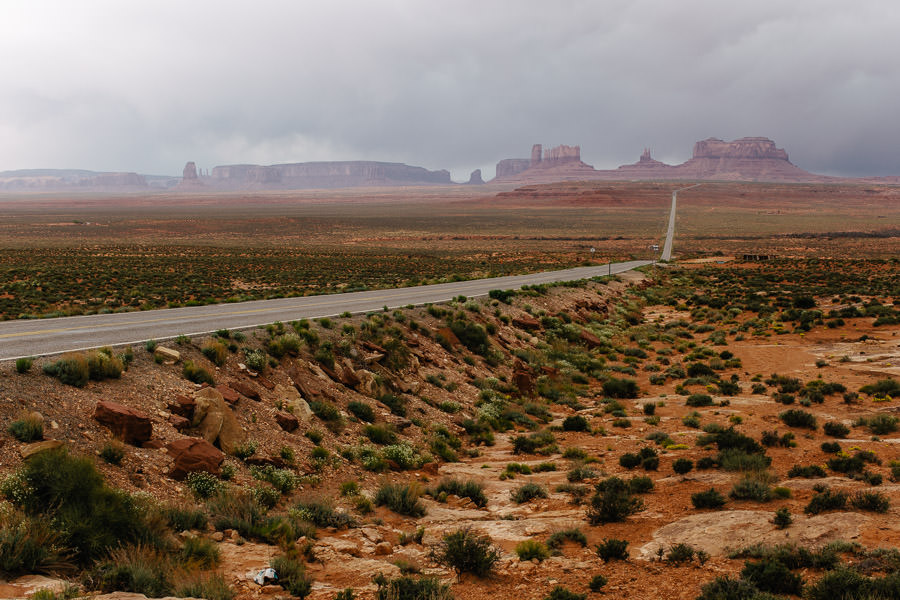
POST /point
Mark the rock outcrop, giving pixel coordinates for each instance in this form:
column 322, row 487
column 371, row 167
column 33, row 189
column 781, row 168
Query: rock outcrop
column 190, row 172
column 475, row 178
column 510, row 167
column 216, row 422
column 553, row 164
column 60, row 180
column 192, row 455
column 130, row 425
column 324, row 175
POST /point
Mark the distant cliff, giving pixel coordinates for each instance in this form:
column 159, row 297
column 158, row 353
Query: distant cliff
column 324, row 175
column 60, row 180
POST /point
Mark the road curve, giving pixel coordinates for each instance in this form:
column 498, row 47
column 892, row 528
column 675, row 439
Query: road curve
column 65, row 334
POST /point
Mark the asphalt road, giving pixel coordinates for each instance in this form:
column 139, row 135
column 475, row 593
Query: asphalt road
column 670, row 231
column 52, row 336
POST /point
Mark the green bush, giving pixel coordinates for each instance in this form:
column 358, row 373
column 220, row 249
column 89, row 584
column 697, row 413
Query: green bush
column 70, row 491
column 711, row 498
column 881, row 424
column 292, row 575
column 113, row 452
column 396, row 404
column 213, row 587
column 682, row 466
column 680, row 554
column 23, row 365
column 138, row 569
column 283, row 480
column 629, row 460
column 31, row 545
column 216, row 352
column 575, row 423
column 620, row 388
column 835, row 429
column 410, row 588
column 613, row 502
column 532, row 549
column 872, row 501
column 321, row 513
column 527, row 492
column 826, row 500
column 798, row 418
column 561, row 593
column 402, row 499
column 726, row 588
column 782, row 518
column 203, row 484
column 185, row 519
column 772, row 576
column 238, row 510
column 200, row 551
column 72, row 369
column 245, row 450
column 27, row 429
column 538, row 442
column 464, row 551
column 558, row 538
column 597, row 582
column 196, row 373
column 470, row 489
column 847, row 584
column 612, row 549
column 751, row 489
column 696, row 400
column 361, row 411
column 640, row 485
column 380, row 434
column 807, row 471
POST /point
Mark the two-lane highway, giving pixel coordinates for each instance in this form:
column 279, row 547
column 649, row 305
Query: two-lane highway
column 52, row 336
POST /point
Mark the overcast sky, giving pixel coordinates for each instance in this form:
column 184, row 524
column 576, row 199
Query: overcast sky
column 145, row 86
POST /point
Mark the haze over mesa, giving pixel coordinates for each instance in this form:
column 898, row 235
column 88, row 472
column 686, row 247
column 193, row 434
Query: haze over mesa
column 147, row 86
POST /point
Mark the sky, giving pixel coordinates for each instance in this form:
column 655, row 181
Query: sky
column 145, row 85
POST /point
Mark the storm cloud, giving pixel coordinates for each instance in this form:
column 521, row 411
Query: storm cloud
column 146, row 86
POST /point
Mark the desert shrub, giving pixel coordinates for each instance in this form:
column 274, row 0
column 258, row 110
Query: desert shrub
column 706, row 462
column 798, row 418
column 196, row 373
column 848, row 584
column 103, row 365
column 203, row 484
column 826, row 500
column 411, row 588
column 682, row 466
column 726, row 588
column 216, row 352
column 402, row 499
column 465, row 551
column 292, row 575
column 31, row 545
column 650, row 463
column 612, row 502
column 807, row 471
column 28, row 428
column 640, row 485
column 649, row 408
column 872, row 501
column 691, row 420
column 70, row 491
column 245, row 450
column 831, row 447
column 699, row 400
column 327, row 412
column 612, row 549
column 380, row 434
column 835, row 429
column 138, row 569
column 580, row 473
column 772, row 576
column 396, row 404
column 597, row 582
column 575, row 423
column 238, row 510
column 558, row 538
column 711, row 498
column 532, row 549
column 620, row 388
column 538, row 442
column 734, row 459
column 402, row 455
column 782, row 518
column 880, row 424
column 361, row 411
column 113, row 452
column 184, row 519
column 561, row 593
column 751, row 489
column 470, row 489
column 680, row 553
column 527, row 492
column 256, row 360
column 730, row 438
column 321, row 513
column 846, row 464
column 629, row 460
column 199, row 551
column 72, row 369
column 883, row 387
column 213, row 587
column 23, row 365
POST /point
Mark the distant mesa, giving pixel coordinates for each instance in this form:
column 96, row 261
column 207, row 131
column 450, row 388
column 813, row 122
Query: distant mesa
column 336, row 174
column 744, row 159
column 53, row 180
column 190, row 172
column 475, row 178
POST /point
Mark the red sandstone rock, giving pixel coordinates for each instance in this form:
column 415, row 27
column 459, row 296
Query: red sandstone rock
column 245, row 389
column 182, row 406
column 287, row 421
column 132, row 426
column 229, row 395
column 192, row 455
column 526, row 322
column 448, row 335
column 590, row 340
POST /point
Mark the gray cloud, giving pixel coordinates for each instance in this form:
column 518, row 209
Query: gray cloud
column 146, row 86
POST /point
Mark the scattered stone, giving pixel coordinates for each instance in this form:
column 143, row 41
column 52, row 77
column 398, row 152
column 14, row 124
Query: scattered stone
column 182, row 406
column 179, row 423
column 383, row 549
column 167, row 354
column 132, row 426
column 245, row 389
column 287, row 421
column 229, row 395
column 216, row 421
column 293, row 402
column 38, row 447
column 526, row 322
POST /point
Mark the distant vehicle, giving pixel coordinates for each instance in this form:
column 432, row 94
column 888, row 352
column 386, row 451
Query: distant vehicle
column 654, row 247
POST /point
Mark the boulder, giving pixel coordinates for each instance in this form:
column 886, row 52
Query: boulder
column 447, row 334
column 347, row 375
column 368, row 384
column 229, row 395
column 178, row 422
column 245, row 389
column 589, row 339
column 523, row 379
column 216, row 421
column 38, row 447
column 287, row 421
column 526, row 322
column 293, row 402
column 193, row 454
column 132, row 426
column 183, row 406
column 167, row 354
